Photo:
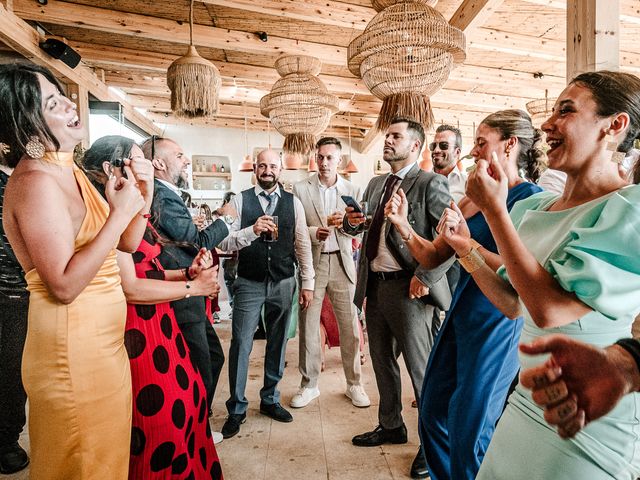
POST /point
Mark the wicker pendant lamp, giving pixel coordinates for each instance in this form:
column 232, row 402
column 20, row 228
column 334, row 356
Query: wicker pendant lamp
column 404, row 56
column 541, row 109
column 298, row 105
column 194, row 82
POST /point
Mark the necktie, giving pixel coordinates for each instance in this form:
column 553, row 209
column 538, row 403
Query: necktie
column 271, row 206
column 373, row 238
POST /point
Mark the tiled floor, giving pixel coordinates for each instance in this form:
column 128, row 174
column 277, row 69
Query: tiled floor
column 317, row 444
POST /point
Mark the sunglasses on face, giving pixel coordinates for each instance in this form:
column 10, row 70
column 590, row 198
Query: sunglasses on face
column 442, row 145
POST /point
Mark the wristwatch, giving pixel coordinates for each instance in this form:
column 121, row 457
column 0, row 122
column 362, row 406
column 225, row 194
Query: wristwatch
column 228, row 219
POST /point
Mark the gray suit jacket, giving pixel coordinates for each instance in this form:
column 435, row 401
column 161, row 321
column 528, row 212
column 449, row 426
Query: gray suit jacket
column 308, row 191
column 428, row 196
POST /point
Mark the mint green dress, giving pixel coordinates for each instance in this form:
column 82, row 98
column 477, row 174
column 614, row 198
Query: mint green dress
column 592, row 250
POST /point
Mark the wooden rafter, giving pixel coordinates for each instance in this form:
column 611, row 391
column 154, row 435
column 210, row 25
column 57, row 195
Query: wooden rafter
column 21, row 37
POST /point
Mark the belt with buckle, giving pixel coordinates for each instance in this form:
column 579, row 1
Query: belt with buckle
column 397, row 275
column 335, row 252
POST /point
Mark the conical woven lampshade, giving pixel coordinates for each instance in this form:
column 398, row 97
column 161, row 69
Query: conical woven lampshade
column 404, row 56
column 194, row 82
column 298, row 105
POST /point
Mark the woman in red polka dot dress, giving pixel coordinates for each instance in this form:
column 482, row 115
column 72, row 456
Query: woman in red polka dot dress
column 171, row 437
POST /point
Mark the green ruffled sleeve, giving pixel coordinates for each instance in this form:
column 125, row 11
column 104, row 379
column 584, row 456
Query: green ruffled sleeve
column 601, row 263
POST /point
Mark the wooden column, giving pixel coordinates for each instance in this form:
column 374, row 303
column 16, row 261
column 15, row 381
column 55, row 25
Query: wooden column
column 80, row 96
column 593, row 36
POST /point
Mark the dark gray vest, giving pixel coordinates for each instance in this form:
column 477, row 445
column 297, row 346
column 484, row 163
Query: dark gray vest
column 273, row 260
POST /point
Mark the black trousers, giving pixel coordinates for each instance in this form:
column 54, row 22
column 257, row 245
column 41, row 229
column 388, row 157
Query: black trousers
column 13, row 331
column 206, row 353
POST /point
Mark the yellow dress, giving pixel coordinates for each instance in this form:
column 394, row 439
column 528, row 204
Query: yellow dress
column 75, row 368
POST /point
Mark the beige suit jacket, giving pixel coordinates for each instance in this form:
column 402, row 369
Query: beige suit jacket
column 308, row 191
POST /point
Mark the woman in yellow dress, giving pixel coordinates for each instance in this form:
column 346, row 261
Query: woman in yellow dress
column 75, row 368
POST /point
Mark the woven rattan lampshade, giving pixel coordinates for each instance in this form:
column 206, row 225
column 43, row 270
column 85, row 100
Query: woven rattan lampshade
column 540, row 109
column 404, row 56
column 194, row 82
column 299, row 106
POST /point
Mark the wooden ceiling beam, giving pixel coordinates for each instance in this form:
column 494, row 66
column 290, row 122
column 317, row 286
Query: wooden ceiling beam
column 144, row 26
column 21, row 37
column 127, row 58
column 473, row 13
column 331, row 13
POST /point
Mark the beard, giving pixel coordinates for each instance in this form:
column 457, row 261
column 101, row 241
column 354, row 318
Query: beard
column 181, row 181
column 441, row 162
column 267, row 182
column 391, row 157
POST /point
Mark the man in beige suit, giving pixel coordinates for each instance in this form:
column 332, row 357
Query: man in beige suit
column 335, row 275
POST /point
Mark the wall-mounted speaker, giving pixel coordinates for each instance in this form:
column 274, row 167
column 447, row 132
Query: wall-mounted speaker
column 60, row 50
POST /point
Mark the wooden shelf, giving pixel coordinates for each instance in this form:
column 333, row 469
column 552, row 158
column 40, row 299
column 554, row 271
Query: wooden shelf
column 213, row 174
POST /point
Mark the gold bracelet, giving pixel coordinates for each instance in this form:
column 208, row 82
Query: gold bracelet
column 473, row 260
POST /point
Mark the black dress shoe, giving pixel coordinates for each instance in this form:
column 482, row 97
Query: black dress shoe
column 381, row 435
column 232, row 425
column 13, row 458
column 419, row 467
column 276, row 411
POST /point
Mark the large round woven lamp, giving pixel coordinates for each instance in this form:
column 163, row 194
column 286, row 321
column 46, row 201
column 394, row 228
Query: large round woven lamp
column 194, row 82
column 299, row 105
column 541, row 109
column 404, row 56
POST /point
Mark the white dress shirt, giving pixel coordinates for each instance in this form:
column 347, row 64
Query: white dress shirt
column 329, row 196
column 242, row 237
column 457, row 184
column 385, row 261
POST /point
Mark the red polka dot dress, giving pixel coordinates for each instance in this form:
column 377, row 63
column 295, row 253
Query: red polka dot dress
column 171, row 438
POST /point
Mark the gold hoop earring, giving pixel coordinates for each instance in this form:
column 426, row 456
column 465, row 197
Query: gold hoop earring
column 507, row 152
column 34, row 148
column 612, row 146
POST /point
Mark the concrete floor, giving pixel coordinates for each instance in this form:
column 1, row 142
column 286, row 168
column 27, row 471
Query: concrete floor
column 317, row 444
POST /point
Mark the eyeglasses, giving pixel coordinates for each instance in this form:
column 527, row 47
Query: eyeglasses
column 442, row 145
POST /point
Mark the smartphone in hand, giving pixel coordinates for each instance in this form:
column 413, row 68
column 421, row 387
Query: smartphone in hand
column 352, row 202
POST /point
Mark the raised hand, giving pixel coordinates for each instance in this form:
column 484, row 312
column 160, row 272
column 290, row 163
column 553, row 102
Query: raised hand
column 354, row 217
column 322, row 233
column 123, row 196
column 454, row 229
column 397, row 209
column 488, row 185
column 141, row 170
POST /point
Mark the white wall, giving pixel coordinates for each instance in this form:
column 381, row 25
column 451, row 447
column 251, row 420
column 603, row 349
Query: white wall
column 230, row 142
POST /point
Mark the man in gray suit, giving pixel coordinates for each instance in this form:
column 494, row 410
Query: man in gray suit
column 335, row 275
column 401, row 295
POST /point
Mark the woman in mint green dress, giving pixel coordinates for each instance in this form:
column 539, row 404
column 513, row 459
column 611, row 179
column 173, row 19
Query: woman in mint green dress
column 571, row 266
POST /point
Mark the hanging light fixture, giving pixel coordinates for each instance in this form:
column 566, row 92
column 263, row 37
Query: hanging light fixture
column 404, row 56
column 351, row 166
column 194, row 82
column 541, row 109
column 298, row 105
column 247, row 163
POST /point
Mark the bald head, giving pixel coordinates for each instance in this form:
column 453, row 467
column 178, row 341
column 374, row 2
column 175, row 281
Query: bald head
column 268, row 167
column 169, row 161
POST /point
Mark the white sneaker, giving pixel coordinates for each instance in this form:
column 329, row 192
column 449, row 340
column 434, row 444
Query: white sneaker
column 304, row 396
column 358, row 396
column 217, row 437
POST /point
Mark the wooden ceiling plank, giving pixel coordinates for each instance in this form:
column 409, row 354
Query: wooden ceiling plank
column 20, row 36
column 144, row 26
